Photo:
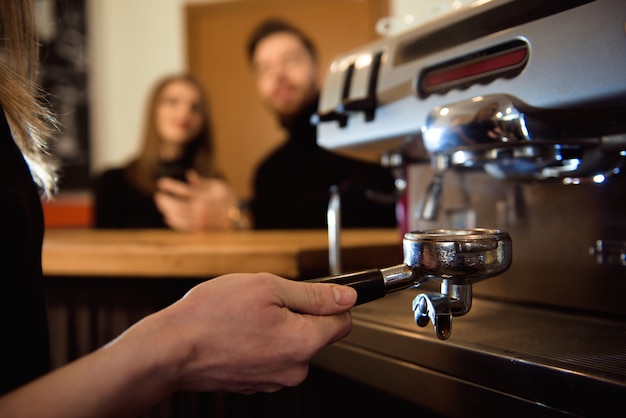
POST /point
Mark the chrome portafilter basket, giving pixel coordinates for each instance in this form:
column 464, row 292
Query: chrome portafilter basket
column 456, row 258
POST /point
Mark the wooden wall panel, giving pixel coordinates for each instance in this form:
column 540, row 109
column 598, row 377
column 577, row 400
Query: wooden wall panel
column 216, row 40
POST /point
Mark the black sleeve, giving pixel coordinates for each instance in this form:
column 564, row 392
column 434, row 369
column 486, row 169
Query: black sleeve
column 108, row 206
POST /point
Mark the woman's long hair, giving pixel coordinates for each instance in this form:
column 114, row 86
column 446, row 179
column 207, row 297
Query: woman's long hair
column 31, row 122
column 199, row 151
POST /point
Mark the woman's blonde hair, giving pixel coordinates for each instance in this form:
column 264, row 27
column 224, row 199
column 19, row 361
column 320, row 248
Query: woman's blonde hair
column 31, row 122
column 142, row 171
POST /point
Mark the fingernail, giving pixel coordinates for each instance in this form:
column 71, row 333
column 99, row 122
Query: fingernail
column 344, row 295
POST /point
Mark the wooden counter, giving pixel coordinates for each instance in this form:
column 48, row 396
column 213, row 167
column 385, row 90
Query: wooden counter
column 98, row 283
column 165, row 253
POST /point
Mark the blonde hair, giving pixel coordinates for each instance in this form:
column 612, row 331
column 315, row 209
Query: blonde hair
column 31, row 122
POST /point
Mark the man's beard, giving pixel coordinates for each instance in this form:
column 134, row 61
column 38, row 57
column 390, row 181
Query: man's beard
column 286, row 118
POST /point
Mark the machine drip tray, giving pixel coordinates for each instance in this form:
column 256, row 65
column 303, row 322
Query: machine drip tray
column 501, row 359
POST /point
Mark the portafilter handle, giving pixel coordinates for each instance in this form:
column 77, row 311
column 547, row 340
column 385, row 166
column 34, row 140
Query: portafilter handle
column 456, row 257
column 376, row 283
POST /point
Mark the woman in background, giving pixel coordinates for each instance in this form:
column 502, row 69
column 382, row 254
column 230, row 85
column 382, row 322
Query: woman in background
column 241, row 332
column 173, row 182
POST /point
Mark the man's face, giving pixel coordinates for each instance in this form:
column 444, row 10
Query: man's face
column 286, row 74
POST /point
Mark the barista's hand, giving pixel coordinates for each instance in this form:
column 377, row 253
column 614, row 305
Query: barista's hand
column 240, row 332
column 199, row 204
column 248, row 332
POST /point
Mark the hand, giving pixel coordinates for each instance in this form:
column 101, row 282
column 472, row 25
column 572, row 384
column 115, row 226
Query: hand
column 251, row 332
column 199, row 204
column 239, row 332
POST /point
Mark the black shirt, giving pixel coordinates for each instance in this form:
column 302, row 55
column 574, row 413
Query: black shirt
column 119, row 204
column 292, row 185
column 24, row 350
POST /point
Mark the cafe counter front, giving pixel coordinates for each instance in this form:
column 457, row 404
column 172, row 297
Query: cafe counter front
column 502, row 359
column 99, row 282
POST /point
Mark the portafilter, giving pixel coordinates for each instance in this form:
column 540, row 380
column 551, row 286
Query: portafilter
column 455, row 257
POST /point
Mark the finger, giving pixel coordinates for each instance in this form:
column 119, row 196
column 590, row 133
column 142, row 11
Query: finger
column 324, row 330
column 175, row 212
column 267, row 388
column 271, row 381
column 192, row 177
column 166, row 203
column 318, row 298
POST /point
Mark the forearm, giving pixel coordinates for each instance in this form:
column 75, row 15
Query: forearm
column 118, row 380
column 239, row 332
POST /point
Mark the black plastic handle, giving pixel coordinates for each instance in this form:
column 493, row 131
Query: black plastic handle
column 369, row 284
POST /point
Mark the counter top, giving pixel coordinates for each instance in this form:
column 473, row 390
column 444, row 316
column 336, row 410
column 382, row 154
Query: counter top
column 166, row 253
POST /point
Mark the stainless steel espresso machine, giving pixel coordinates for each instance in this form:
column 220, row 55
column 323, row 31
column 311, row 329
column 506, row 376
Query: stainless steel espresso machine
column 511, row 116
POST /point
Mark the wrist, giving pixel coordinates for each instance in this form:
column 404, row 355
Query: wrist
column 239, row 217
column 154, row 354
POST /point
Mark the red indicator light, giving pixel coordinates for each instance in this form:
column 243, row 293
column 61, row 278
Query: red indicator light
column 486, row 66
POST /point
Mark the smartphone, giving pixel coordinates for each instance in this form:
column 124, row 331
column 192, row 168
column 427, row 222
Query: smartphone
column 173, row 170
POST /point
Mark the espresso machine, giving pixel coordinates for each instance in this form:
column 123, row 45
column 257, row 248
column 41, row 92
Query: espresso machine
column 506, row 115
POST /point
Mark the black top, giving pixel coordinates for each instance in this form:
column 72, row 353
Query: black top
column 119, row 204
column 24, row 346
column 292, row 185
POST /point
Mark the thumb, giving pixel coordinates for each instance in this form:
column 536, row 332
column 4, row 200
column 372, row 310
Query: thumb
column 192, row 177
column 319, row 298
